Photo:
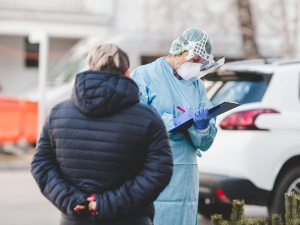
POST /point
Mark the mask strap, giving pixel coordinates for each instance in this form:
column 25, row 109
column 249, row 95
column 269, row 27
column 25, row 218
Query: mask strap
column 176, row 61
column 184, row 41
column 182, row 52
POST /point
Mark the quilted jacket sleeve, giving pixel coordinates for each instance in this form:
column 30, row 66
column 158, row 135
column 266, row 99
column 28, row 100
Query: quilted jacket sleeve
column 148, row 184
column 52, row 184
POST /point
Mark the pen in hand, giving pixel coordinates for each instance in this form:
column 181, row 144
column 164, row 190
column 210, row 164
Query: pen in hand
column 181, row 109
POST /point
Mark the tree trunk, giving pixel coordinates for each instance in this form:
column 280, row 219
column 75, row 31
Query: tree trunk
column 247, row 29
column 289, row 37
column 295, row 47
column 285, row 39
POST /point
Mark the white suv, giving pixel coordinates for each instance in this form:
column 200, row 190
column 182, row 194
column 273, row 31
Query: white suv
column 256, row 153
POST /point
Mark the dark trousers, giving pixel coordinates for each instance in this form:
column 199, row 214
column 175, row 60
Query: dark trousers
column 141, row 220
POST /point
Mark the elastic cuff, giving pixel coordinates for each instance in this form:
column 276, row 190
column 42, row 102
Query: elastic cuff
column 79, row 201
column 98, row 203
column 203, row 130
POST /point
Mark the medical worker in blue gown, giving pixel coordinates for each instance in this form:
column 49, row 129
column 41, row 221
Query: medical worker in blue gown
column 173, row 81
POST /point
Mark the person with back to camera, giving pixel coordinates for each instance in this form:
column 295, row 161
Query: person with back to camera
column 103, row 157
column 174, row 82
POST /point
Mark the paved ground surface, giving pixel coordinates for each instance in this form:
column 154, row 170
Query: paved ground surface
column 21, row 201
column 10, row 162
column 23, row 204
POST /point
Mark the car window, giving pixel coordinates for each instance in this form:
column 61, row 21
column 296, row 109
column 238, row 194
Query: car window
column 67, row 70
column 240, row 91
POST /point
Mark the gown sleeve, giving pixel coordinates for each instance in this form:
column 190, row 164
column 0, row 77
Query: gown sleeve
column 203, row 140
column 146, row 95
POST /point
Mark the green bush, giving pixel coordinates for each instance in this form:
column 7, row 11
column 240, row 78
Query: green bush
column 292, row 215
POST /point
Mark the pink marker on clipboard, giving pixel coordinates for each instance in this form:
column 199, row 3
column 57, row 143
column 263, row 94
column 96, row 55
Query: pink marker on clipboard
column 181, row 109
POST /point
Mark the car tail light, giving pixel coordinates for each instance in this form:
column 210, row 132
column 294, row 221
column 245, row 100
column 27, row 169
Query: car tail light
column 222, row 196
column 244, row 120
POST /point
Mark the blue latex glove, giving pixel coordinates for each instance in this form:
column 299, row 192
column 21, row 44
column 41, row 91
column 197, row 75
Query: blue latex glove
column 184, row 117
column 201, row 118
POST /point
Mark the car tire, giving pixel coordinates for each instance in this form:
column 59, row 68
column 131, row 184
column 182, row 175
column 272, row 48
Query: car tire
column 285, row 182
column 216, row 208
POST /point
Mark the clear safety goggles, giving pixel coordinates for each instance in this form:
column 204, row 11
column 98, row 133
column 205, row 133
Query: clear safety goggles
column 212, row 66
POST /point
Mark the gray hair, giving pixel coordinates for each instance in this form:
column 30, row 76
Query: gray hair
column 108, row 57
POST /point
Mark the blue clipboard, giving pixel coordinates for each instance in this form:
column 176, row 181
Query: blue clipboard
column 225, row 106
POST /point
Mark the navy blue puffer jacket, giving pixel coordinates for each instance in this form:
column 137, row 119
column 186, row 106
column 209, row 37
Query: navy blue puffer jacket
column 103, row 141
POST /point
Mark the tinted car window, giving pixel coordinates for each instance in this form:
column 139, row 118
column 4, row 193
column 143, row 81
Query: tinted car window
column 240, row 91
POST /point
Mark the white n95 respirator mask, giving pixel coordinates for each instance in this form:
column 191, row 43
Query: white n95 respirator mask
column 189, row 71
column 193, row 71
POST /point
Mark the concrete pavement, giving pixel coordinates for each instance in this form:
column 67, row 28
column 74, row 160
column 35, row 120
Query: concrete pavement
column 22, row 163
column 21, row 201
column 23, row 204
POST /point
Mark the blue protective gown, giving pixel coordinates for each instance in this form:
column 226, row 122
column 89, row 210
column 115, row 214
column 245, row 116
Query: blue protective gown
column 159, row 88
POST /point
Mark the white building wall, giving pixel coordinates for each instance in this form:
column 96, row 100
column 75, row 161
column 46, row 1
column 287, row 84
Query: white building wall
column 65, row 22
column 14, row 75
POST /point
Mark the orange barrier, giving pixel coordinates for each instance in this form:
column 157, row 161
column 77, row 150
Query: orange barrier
column 29, row 115
column 10, row 120
column 18, row 120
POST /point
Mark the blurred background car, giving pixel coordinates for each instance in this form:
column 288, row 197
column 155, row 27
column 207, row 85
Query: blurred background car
column 256, row 154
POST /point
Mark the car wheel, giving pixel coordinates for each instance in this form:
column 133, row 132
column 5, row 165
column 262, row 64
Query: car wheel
column 215, row 208
column 290, row 181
